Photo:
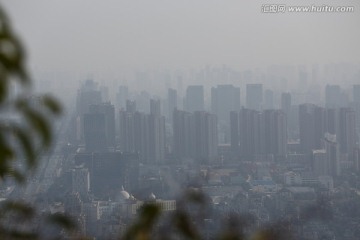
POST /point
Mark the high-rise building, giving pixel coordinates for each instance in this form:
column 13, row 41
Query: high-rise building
column 269, row 99
column 234, row 133
column 286, row 108
column 334, row 97
column 356, row 107
column 143, row 133
column 224, row 99
column 256, row 133
column 195, row 135
column 95, row 132
column 183, row 134
column 356, row 93
column 286, row 103
column 194, row 100
column 315, row 121
column 130, row 106
column 122, row 96
column 347, row 130
column 332, row 151
column 206, row 138
column 155, row 107
column 251, row 133
column 87, row 95
column 254, row 96
column 172, row 102
column 109, row 112
column 156, row 124
column 312, row 127
column 275, row 137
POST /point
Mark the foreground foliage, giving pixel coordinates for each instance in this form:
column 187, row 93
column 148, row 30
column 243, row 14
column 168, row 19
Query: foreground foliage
column 25, row 133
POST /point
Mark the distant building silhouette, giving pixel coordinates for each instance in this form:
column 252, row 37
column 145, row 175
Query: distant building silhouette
column 254, row 96
column 286, row 107
column 315, row 121
column 355, row 105
column 356, row 93
column 269, row 99
column 195, row 135
column 258, row 133
column 108, row 110
column 194, row 100
column 224, row 99
column 87, row 94
column 172, row 102
column 347, row 130
column 143, row 133
column 312, row 127
column 332, row 152
column 95, row 132
column 122, row 96
column 334, row 97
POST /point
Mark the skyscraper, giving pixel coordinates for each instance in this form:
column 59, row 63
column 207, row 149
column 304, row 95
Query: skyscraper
column 315, row 121
column 257, row 133
column 143, row 133
column 224, row 99
column 334, row 97
column 254, row 96
column 286, row 103
column 183, row 134
column 234, row 132
column 194, row 100
column 109, row 112
column 206, row 138
column 156, row 124
column 332, row 152
column 269, row 99
column 121, row 96
column 87, row 95
column 172, row 102
column 195, row 135
column 275, row 137
column 286, row 108
column 347, row 130
column 356, row 93
column 312, row 127
column 356, row 107
column 95, row 132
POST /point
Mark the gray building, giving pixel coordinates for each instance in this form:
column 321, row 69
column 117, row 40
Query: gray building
column 194, row 99
column 195, row 136
column 254, row 96
column 224, row 99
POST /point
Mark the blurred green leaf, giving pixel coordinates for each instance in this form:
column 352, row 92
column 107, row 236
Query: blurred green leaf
column 183, row 223
column 19, row 177
column 20, row 208
column 62, row 220
column 27, row 146
column 51, row 104
column 141, row 230
column 40, row 124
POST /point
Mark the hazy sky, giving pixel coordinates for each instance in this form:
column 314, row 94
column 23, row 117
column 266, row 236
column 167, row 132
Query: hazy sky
column 108, row 35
